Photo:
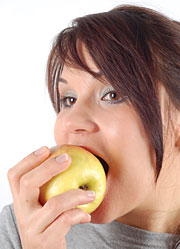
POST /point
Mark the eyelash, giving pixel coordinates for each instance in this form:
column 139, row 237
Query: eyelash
column 110, row 91
column 63, row 99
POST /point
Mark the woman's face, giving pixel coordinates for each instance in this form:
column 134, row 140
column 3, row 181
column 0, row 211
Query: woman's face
column 94, row 116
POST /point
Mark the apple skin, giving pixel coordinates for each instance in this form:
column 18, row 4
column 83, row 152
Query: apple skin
column 85, row 172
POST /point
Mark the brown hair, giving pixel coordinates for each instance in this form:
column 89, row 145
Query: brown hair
column 135, row 48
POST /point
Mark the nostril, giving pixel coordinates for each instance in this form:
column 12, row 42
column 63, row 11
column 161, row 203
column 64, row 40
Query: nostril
column 78, row 122
column 80, row 130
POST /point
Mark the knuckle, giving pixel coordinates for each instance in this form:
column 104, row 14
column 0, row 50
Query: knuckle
column 72, row 217
column 79, row 192
column 52, row 205
column 80, row 195
column 49, row 169
column 80, row 212
column 24, row 181
column 66, row 218
column 11, row 174
column 29, row 160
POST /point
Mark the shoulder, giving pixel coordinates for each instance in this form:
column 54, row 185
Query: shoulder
column 94, row 236
column 9, row 235
column 7, row 216
column 8, row 209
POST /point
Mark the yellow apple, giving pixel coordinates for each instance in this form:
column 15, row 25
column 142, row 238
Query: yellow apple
column 85, row 172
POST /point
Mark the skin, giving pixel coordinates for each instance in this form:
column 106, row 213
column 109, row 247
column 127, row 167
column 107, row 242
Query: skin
column 95, row 123
column 113, row 131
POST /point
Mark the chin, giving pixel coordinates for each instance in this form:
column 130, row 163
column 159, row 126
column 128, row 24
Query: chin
column 102, row 215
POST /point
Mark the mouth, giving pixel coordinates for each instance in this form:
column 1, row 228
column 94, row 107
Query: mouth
column 104, row 164
column 102, row 161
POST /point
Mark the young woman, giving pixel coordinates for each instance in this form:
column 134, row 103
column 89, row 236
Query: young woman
column 114, row 80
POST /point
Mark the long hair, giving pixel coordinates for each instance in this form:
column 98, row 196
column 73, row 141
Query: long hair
column 136, row 49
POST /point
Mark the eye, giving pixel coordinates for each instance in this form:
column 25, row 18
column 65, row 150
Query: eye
column 112, row 97
column 66, row 102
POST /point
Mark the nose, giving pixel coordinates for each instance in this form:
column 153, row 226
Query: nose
column 80, row 121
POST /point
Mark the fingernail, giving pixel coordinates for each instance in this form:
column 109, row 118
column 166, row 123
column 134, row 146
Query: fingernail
column 40, row 151
column 62, row 158
column 91, row 194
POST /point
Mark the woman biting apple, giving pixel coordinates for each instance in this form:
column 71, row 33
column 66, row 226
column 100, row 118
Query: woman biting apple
column 114, row 82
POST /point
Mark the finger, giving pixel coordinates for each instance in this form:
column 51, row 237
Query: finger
column 61, row 203
column 34, row 179
column 60, row 227
column 24, row 166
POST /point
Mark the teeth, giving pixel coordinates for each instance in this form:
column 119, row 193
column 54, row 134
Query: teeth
column 104, row 164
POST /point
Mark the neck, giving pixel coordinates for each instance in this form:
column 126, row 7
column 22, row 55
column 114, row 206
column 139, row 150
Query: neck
column 160, row 211
column 154, row 221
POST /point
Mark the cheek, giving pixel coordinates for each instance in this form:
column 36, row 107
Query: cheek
column 59, row 135
column 131, row 151
column 133, row 173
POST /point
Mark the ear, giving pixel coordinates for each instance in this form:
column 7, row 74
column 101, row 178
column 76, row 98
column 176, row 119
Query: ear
column 177, row 137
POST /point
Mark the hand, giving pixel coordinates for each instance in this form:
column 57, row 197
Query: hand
column 44, row 227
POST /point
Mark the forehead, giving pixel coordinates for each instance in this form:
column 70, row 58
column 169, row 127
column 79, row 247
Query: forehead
column 69, row 72
column 74, row 70
column 85, row 57
column 72, row 76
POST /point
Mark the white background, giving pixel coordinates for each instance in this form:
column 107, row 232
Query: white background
column 27, row 29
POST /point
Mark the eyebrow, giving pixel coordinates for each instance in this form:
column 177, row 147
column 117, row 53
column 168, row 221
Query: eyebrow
column 63, row 81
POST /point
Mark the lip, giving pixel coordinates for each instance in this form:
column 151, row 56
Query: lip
column 99, row 157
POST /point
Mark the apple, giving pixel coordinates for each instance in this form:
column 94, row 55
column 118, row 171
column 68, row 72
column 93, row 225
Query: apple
column 85, row 172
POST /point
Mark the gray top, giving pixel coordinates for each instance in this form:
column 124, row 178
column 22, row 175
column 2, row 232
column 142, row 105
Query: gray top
column 90, row 236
